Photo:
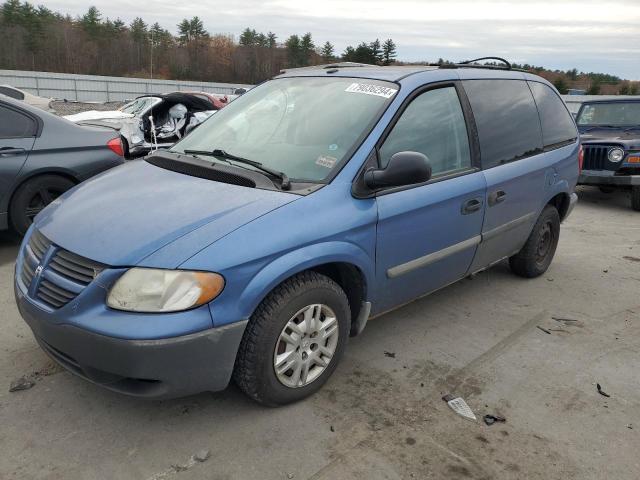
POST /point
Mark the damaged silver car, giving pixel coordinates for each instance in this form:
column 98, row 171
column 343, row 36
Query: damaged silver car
column 154, row 121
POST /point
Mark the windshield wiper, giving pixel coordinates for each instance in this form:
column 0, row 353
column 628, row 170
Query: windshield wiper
column 595, row 127
column 285, row 184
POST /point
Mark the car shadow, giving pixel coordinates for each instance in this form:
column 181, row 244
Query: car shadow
column 9, row 244
column 615, row 200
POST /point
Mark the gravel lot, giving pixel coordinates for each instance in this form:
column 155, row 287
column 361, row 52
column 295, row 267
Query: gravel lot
column 381, row 415
column 69, row 108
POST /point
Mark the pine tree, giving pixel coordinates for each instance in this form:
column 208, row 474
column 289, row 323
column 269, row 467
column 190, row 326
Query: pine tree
column 327, row 51
column 306, row 49
column 388, row 52
column 91, row 22
column 349, row 54
column 271, row 40
column 363, row 54
column 376, row 51
column 248, row 37
column 293, row 50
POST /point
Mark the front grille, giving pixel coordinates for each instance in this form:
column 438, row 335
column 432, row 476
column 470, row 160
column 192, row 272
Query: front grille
column 596, row 157
column 74, row 267
column 64, row 274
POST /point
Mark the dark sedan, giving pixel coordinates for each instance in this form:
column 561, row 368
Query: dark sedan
column 42, row 156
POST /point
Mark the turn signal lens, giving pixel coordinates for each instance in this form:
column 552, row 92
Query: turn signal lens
column 635, row 159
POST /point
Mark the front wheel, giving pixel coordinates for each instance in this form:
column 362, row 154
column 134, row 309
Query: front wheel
column 536, row 255
column 294, row 340
column 635, row 197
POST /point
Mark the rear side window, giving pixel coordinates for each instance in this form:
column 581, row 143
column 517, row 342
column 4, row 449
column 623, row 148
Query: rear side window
column 10, row 92
column 14, row 124
column 506, row 118
column 432, row 124
column 557, row 124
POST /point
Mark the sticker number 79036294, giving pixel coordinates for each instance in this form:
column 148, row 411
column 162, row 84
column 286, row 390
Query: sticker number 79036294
column 370, row 89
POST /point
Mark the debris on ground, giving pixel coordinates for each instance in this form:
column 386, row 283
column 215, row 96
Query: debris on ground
column 565, row 320
column 543, row 329
column 332, row 429
column 629, row 426
column 602, row 392
column 202, row 455
column 491, row 419
column 198, row 457
column 27, row 381
column 289, row 476
column 631, row 259
column 22, row 383
column 459, row 406
column 390, row 354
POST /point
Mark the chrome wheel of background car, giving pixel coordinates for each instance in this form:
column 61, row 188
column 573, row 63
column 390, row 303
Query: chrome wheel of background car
column 306, row 346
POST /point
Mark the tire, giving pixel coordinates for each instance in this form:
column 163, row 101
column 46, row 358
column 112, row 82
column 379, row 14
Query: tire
column 536, row 255
column 635, row 197
column 262, row 346
column 607, row 189
column 32, row 196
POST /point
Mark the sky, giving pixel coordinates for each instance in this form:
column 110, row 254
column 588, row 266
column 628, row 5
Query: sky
column 589, row 35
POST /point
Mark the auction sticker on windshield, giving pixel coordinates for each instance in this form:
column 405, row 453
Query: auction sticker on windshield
column 370, row 89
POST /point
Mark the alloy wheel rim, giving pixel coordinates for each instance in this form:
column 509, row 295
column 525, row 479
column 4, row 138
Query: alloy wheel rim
column 306, row 346
column 40, row 200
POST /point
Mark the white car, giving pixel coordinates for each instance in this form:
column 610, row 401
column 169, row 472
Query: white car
column 152, row 121
column 33, row 100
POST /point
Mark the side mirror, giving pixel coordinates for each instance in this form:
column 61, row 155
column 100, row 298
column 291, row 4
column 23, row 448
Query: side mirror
column 404, row 168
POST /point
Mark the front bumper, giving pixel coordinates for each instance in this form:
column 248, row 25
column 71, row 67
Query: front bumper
column 596, row 177
column 162, row 368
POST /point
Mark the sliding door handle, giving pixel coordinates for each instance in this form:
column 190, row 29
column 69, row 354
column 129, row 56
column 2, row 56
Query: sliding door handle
column 497, row 197
column 471, row 206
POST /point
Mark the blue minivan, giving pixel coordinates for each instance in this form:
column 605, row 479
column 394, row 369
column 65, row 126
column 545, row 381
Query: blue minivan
column 258, row 244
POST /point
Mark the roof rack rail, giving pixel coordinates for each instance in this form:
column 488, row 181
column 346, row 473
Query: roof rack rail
column 471, row 64
column 500, row 59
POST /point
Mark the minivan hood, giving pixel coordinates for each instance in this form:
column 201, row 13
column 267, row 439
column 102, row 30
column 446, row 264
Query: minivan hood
column 127, row 213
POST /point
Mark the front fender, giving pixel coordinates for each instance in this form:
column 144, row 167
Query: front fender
column 285, row 266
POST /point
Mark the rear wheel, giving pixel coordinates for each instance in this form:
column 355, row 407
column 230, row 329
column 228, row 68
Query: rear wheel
column 31, row 198
column 536, row 255
column 294, row 340
column 635, row 197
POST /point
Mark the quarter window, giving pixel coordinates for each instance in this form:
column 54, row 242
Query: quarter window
column 15, row 125
column 432, row 124
column 507, row 120
column 10, row 92
column 557, row 124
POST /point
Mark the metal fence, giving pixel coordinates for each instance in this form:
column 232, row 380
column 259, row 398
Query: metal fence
column 94, row 88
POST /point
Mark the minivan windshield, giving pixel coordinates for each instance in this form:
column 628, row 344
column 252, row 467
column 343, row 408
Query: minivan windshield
column 305, row 127
column 616, row 114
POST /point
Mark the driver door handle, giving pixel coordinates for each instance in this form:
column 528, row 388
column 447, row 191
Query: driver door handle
column 11, row 151
column 497, row 197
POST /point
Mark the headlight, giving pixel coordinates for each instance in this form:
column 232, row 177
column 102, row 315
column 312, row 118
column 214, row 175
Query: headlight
column 157, row 291
column 615, row 155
